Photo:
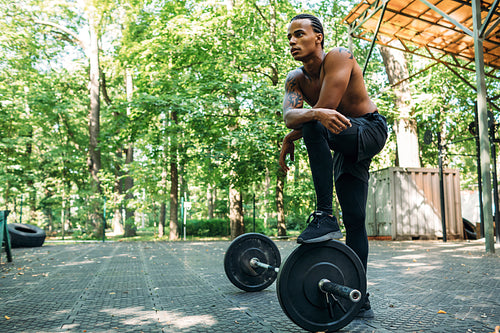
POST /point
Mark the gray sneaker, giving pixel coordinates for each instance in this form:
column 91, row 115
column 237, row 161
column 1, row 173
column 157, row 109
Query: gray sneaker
column 323, row 227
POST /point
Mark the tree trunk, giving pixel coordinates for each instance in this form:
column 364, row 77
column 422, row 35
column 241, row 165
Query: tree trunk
column 174, row 183
column 174, row 202
column 130, row 228
column 128, row 182
column 235, row 213
column 116, row 222
column 50, row 219
column 67, row 215
column 163, row 189
column 63, row 213
column 236, row 219
column 405, row 125
column 29, row 149
column 161, row 222
column 267, row 186
column 94, row 159
column 210, row 201
column 280, row 178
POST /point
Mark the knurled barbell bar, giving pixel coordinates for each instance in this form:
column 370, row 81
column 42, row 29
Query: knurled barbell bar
column 319, row 286
column 324, row 285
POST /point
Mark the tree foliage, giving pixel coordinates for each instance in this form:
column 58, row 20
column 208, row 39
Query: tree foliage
column 208, row 79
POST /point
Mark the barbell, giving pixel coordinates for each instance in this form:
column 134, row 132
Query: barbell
column 320, row 286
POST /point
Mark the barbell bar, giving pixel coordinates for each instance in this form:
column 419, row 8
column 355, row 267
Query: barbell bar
column 255, row 262
column 324, row 285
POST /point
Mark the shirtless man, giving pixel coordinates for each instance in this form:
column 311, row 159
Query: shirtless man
column 342, row 118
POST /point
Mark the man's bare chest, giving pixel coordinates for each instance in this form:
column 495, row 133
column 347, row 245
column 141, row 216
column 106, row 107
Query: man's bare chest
column 311, row 90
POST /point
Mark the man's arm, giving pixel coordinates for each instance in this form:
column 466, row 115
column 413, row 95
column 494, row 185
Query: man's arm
column 293, row 112
column 293, row 100
column 337, row 69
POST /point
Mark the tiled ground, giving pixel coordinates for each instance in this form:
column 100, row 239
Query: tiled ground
column 182, row 287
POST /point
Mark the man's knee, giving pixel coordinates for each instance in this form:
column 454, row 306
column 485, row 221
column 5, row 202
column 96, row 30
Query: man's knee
column 312, row 130
column 355, row 221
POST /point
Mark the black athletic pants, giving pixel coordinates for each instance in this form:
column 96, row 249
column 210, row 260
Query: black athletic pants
column 351, row 191
column 352, row 194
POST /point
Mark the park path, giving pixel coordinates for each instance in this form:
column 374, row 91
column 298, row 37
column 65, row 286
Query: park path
column 418, row 286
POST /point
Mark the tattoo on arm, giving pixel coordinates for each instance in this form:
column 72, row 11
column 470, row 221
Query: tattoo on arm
column 291, row 83
column 343, row 49
column 293, row 99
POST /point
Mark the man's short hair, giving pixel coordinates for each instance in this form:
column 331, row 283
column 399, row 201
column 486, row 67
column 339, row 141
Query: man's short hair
column 315, row 23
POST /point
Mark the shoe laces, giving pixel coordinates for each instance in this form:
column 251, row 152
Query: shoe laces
column 316, row 218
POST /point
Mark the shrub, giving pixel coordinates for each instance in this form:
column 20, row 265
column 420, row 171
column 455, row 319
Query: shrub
column 220, row 227
column 207, row 228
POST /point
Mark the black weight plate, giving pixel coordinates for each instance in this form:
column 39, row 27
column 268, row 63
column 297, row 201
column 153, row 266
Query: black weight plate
column 237, row 261
column 298, row 291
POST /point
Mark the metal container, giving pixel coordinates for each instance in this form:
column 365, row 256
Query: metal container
column 404, row 203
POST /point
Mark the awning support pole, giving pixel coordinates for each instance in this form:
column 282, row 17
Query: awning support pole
column 484, row 140
column 375, row 37
column 488, row 19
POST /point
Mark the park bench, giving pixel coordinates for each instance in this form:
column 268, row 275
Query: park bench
column 4, row 234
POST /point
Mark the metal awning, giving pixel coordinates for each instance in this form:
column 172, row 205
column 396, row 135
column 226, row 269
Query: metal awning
column 459, row 33
column 431, row 29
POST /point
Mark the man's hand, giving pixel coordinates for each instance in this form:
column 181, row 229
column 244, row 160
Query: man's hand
column 333, row 120
column 288, row 147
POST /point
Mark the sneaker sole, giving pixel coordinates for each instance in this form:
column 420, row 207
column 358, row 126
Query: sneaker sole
column 366, row 314
column 324, row 238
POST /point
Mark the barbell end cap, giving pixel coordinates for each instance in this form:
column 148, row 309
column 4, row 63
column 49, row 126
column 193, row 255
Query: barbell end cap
column 322, row 282
column 355, row 296
column 253, row 262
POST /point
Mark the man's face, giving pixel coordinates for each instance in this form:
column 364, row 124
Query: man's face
column 302, row 39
